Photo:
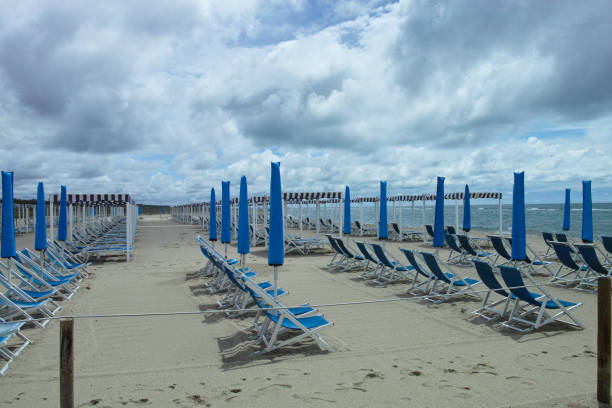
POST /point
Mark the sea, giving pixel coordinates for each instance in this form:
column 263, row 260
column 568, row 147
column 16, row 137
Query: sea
column 485, row 217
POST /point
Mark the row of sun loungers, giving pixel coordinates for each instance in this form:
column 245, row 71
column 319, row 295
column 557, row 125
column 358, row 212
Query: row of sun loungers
column 437, row 280
column 274, row 325
column 33, row 284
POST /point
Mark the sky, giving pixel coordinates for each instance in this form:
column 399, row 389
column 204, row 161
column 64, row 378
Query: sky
column 165, row 99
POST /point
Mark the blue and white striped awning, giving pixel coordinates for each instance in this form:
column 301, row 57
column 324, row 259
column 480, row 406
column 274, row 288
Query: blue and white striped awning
column 93, row 198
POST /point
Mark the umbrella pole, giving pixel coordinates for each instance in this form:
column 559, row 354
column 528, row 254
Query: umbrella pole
column 9, row 268
column 275, row 280
column 225, row 250
column 243, row 260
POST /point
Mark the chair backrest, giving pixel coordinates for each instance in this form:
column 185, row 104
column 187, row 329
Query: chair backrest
column 429, row 229
column 450, row 229
column 364, row 251
column 412, row 260
column 607, row 243
column 564, row 254
column 380, row 254
column 334, row 244
column 516, row 285
column 395, row 227
column 588, row 254
column 344, row 248
column 498, row 245
column 433, row 266
column 452, row 242
column 561, row 237
column 358, row 224
column 464, row 241
column 485, row 272
column 547, row 236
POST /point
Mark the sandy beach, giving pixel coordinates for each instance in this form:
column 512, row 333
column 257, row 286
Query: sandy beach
column 405, row 353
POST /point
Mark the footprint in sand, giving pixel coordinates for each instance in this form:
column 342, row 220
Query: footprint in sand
column 311, row 399
column 275, row 386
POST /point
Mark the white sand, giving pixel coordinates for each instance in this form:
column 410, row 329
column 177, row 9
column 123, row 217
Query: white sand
column 409, row 353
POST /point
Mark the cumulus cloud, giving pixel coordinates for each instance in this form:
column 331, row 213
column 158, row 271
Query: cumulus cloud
column 166, row 99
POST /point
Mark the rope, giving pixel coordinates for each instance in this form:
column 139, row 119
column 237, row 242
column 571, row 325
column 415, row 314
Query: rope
column 259, row 309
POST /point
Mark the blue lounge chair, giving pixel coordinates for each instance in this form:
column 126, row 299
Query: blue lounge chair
column 455, row 284
column 466, row 245
column 595, row 267
column 352, row 259
column 459, row 256
column 568, row 260
column 368, row 273
column 420, row 270
column 9, row 330
column 540, row 307
column 392, row 270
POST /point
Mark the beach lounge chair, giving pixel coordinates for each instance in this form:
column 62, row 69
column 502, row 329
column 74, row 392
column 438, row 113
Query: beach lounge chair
column 339, row 256
column 282, row 321
column 541, row 307
column 487, row 276
column 392, row 270
column 352, row 259
column 456, row 254
column 368, row 258
column 430, row 230
column 468, row 246
column 449, row 229
column 607, row 243
column 415, row 288
column 8, row 348
column 364, row 229
column 498, row 245
column 595, row 268
column 452, row 283
column 570, row 268
column 547, row 237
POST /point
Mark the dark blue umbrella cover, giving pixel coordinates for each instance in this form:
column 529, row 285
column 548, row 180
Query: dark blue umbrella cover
column 62, row 224
column 40, row 241
column 587, row 212
column 383, row 227
column 347, row 211
column 566, row 211
column 8, row 222
column 519, row 244
column 212, row 229
column 226, row 231
column 276, row 250
column 467, row 213
column 438, row 240
column 243, row 218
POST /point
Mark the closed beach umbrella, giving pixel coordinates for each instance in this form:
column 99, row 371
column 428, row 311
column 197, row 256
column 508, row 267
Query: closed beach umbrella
column 566, row 211
column 226, row 231
column 438, row 240
column 347, row 211
column 62, row 223
column 587, row 212
column 467, row 213
column 212, row 228
column 40, row 241
column 276, row 249
column 519, row 245
column 8, row 222
column 243, row 220
column 383, row 228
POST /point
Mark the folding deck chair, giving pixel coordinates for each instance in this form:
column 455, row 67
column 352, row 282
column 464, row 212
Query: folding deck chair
column 595, row 268
column 459, row 256
column 455, row 284
column 540, row 306
column 568, row 260
column 397, row 271
column 470, row 251
column 415, row 288
column 352, row 259
column 8, row 349
column 367, row 272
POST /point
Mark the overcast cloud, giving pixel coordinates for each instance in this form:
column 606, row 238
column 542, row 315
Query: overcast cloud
column 165, row 99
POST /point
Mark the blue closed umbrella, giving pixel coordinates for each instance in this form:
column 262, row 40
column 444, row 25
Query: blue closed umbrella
column 566, row 211
column 276, row 248
column 139, row 210
column 383, row 227
column 587, row 212
column 62, row 223
column 519, row 244
column 438, row 240
column 212, row 229
column 8, row 222
column 243, row 220
column 347, row 211
column 467, row 213
column 226, row 231
column 163, row 210
column 40, row 240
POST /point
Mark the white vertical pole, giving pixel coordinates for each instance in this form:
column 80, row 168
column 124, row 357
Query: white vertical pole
column 265, row 216
column 128, row 228
column 285, row 217
column 412, row 220
column 377, row 216
column 317, row 215
column 424, row 230
column 500, row 214
column 361, row 218
column 457, row 215
column 300, row 213
column 401, row 229
column 71, row 219
column 341, row 223
column 51, row 218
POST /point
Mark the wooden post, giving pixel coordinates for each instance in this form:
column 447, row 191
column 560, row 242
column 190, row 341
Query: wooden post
column 603, row 340
column 66, row 363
